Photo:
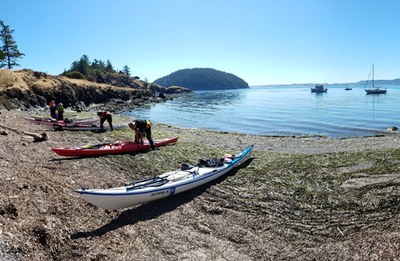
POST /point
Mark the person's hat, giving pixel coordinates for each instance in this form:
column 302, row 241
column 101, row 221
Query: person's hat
column 132, row 125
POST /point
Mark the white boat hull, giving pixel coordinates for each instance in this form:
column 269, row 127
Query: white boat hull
column 175, row 182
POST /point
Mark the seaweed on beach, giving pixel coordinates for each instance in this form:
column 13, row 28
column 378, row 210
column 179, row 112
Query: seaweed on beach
column 297, row 198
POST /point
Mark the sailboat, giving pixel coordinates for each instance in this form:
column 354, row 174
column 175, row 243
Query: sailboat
column 374, row 89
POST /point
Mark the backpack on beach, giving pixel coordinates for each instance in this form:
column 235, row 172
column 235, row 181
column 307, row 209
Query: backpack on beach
column 215, row 162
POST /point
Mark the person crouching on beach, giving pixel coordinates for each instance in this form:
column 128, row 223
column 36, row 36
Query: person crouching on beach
column 105, row 116
column 142, row 128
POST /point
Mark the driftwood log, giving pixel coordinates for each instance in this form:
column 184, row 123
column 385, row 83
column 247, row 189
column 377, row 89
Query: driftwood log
column 36, row 136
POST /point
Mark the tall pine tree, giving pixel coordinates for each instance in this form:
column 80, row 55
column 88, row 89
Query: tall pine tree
column 9, row 49
column 126, row 70
column 109, row 67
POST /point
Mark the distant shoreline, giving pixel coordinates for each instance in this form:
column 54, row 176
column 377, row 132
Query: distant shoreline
column 377, row 82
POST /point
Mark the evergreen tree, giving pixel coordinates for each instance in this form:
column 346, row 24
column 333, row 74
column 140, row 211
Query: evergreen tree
column 109, row 67
column 82, row 65
column 9, row 52
column 99, row 71
column 98, row 65
column 126, row 70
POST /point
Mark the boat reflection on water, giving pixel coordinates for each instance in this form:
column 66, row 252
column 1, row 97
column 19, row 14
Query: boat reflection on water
column 208, row 101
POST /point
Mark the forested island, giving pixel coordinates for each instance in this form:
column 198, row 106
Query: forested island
column 202, row 79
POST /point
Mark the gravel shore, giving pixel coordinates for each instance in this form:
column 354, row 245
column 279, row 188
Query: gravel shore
column 300, row 198
column 297, row 145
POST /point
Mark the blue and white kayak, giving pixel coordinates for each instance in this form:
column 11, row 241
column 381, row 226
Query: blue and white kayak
column 162, row 186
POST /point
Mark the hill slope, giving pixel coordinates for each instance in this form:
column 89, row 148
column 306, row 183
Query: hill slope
column 382, row 82
column 202, row 79
column 27, row 88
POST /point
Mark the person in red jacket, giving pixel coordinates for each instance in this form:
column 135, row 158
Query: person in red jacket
column 142, row 128
column 105, row 116
column 53, row 107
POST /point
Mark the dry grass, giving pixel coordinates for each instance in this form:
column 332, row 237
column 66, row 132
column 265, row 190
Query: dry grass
column 7, row 79
column 14, row 79
column 24, row 79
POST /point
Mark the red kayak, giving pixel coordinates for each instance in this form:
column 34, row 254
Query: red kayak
column 111, row 148
column 52, row 122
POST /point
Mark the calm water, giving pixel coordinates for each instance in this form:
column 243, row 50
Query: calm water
column 282, row 110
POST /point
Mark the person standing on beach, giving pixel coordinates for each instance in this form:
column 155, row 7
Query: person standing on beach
column 53, row 108
column 60, row 112
column 105, row 116
column 142, row 128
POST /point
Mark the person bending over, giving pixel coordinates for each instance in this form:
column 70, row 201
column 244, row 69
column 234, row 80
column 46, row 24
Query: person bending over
column 105, row 116
column 142, row 128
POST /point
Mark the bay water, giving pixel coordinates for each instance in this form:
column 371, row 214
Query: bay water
column 282, row 110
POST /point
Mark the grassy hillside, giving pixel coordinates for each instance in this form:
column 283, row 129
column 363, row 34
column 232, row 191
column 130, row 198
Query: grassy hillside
column 26, row 88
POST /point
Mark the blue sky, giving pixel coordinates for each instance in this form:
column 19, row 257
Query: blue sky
column 261, row 41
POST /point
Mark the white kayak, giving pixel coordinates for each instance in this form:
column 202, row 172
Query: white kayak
column 164, row 185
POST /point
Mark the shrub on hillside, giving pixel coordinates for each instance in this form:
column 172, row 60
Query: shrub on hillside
column 175, row 89
column 74, row 75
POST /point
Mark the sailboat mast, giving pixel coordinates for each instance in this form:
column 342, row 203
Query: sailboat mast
column 373, row 85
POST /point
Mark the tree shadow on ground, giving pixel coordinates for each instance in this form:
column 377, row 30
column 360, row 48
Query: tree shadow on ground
column 154, row 209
